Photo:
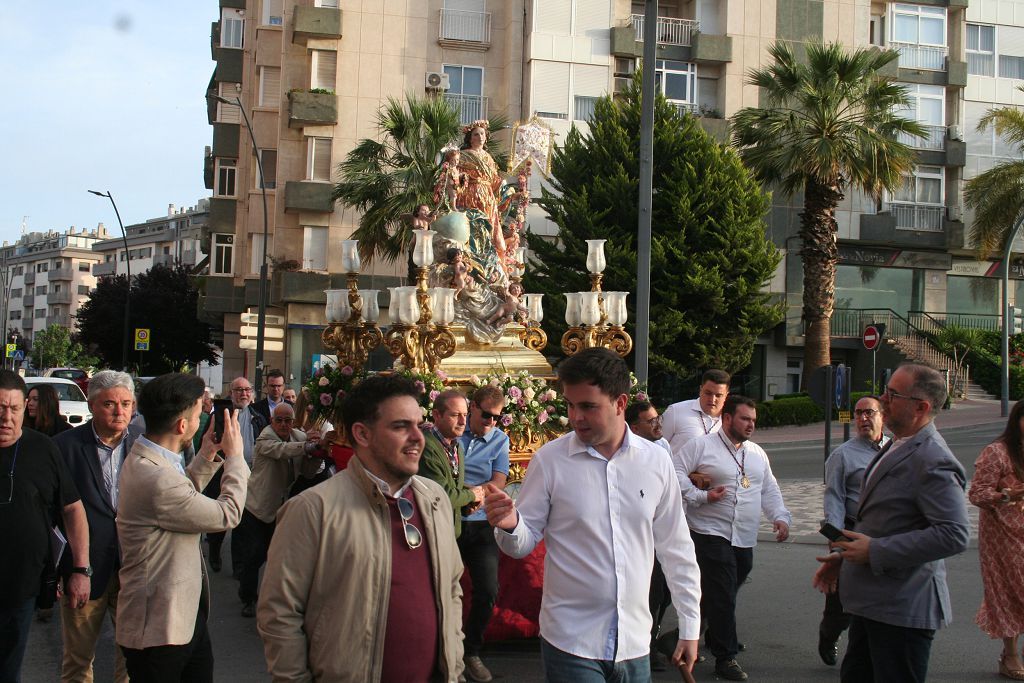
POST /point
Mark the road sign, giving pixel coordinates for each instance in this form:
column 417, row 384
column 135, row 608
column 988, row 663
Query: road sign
column 268, row 345
column 872, row 337
column 141, row 346
column 141, row 337
column 254, row 319
column 11, row 349
column 844, row 417
column 269, row 333
column 19, row 355
column 839, row 385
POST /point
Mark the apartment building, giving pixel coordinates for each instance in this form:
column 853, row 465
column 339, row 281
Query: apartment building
column 48, row 275
column 168, row 240
column 314, row 73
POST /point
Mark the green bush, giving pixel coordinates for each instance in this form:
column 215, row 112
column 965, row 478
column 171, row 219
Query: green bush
column 986, row 371
column 796, row 409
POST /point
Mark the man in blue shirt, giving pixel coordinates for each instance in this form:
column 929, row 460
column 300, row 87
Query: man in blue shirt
column 486, row 461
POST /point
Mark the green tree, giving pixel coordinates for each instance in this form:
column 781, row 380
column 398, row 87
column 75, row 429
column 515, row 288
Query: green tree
column 53, row 347
column 997, row 195
column 829, row 122
column 710, row 259
column 386, row 179
column 164, row 300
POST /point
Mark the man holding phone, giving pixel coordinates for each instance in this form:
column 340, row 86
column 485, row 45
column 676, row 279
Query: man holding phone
column 844, row 474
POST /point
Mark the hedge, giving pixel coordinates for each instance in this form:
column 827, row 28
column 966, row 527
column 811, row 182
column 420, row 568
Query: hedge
column 795, row 410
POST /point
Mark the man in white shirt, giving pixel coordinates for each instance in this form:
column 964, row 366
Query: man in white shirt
column 604, row 500
column 700, row 416
column 724, row 519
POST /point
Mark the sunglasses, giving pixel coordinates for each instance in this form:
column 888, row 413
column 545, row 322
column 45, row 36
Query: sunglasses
column 489, row 416
column 413, row 538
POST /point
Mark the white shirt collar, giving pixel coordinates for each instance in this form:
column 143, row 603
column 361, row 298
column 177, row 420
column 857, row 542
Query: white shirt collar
column 385, row 488
column 171, row 457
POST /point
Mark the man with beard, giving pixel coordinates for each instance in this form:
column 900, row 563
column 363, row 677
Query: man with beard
column 724, row 519
column 844, row 473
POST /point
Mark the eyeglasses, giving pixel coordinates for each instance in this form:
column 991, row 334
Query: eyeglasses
column 866, row 412
column 654, row 421
column 413, row 537
column 242, row 390
column 489, row 416
column 891, row 393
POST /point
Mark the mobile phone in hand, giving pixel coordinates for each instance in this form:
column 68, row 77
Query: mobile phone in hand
column 832, row 533
column 219, row 406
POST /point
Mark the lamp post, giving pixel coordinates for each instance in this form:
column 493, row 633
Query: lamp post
column 128, row 271
column 261, row 321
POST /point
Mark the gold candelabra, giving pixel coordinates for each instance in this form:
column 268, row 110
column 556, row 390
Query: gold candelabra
column 418, row 340
column 596, row 318
column 352, row 339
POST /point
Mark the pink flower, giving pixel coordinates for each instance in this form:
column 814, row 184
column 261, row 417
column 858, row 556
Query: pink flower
column 506, row 420
column 641, row 396
column 324, row 381
column 420, row 386
column 325, row 399
column 434, row 393
column 341, row 394
column 348, row 370
column 442, row 375
column 542, row 417
column 521, row 403
column 514, row 392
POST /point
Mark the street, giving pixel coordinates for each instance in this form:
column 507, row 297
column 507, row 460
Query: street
column 778, row 611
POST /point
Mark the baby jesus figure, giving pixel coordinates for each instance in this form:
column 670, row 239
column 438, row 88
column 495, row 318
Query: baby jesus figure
column 460, row 271
column 421, row 217
column 510, row 309
column 451, row 182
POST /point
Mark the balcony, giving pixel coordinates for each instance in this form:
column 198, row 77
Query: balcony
column 308, row 196
column 164, row 260
column 105, row 268
column 312, row 109
column 465, row 30
column 30, row 277
column 28, row 301
column 925, row 57
column 189, row 257
column 62, row 319
column 62, row 274
column 935, row 139
column 316, row 23
column 470, row 107
column 670, row 31
column 685, row 107
column 918, row 216
column 58, row 298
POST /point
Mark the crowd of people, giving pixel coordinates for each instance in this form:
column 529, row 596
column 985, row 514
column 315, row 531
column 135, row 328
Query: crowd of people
column 363, row 529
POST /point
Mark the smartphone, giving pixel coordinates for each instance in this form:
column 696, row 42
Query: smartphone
column 831, row 533
column 219, row 406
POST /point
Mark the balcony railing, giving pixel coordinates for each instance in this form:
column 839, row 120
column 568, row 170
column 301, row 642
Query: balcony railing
column 918, row 216
column 670, row 31
column 104, row 268
column 65, row 273
column 470, row 107
column 685, row 107
column 934, row 139
column 914, row 56
column 62, row 319
column 466, row 26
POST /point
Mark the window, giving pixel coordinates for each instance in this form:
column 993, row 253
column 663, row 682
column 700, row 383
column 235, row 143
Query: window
column 318, row 166
column 42, row 267
column 225, row 178
column 83, row 290
column 270, row 86
column 1011, row 66
column 228, row 113
column 325, row 3
column 981, row 49
column 232, row 28
column 314, row 248
column 40, row 312
column 677, row 81
column 20, row 270
column 919, row 34
column 465, row 20
column 16, row 293
column 324, row 70
column 84, row 267
column 273, row 12
column 256, row 252
column 584, row 108
column 927, row 107
column 15, row 315
column 223, row 261
column 41, row 289
column 466, row 91
column 876, row 27
column 268, row 159
column 56, row 287
column 918, row 202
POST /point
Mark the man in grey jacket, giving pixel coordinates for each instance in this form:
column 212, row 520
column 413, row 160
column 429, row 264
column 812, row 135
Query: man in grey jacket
column 912, row 514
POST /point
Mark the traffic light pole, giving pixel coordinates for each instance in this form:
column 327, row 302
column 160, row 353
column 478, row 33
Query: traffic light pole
column 1007, row 315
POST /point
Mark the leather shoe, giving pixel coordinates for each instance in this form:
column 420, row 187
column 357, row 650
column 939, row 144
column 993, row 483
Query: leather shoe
column 828, row 649
column 475, row 670
column 730, row 670
column 249, row 610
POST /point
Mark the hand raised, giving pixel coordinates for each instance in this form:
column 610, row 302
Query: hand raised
column 500, row 508
column 231, row 441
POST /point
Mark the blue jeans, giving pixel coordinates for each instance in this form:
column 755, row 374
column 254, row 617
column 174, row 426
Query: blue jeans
column 562, row 667
column 14, row 625
column 883, row 652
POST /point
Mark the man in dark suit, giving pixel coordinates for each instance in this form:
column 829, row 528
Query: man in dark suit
column 275, row 395
column 912, row 514
column 94, row 453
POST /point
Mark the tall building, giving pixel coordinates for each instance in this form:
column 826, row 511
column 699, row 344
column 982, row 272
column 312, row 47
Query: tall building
column 48, row 275
column 314, row 74
column 168, row 240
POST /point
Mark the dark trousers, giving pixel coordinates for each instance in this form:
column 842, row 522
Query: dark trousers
column 658, row 600
column 833, row 620
column 723, row 569
column 212, row 490
column 480, row 556
column 190, row 663
column 14, row 625
column 250, row 542
column 883, row 652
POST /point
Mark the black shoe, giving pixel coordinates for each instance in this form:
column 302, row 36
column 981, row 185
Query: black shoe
column 729, row 670
column 741, row 646
column 828, row 649
column 658, row 661
column 249, row 610
column 215, row 563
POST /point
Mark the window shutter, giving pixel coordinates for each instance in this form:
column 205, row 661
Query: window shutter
column 320, row 159
column 325, row 69
column 314, row 248
column 592, row 15
column 270, row 86
column 466, row 5
column 551, row 87
column 274, row 12
column 552, row 17
column 589, row 80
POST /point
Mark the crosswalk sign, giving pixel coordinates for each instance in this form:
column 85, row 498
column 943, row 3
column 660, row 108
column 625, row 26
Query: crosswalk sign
column 19, row 355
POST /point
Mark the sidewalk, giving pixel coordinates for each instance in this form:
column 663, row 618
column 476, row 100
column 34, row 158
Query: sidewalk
column 969, row 413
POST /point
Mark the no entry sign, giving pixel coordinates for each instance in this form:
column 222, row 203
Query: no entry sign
column 872, row 337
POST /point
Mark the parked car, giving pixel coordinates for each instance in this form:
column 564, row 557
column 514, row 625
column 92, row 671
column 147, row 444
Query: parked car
column 73, row 405
column 76, row 375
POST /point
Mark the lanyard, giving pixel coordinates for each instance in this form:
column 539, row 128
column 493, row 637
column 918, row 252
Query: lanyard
column 700, row 414
column 14, row 460
column 741, row 464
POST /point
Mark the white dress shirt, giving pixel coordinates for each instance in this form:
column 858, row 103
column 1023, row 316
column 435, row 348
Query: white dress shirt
column 602, row 520
column 737, row 515
column 685, row 421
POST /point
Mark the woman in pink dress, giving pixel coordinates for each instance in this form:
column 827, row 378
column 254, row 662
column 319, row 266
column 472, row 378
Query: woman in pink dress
column 998, row 490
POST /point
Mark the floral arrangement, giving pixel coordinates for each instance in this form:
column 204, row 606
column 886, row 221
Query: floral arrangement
column 531, row 404
column 429, row 384
column 327, row 388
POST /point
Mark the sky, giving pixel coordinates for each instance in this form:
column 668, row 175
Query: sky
column 105, row 95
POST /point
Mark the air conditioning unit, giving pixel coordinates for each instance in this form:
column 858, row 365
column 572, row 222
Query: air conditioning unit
column 956, row 133
column 956, row 213
column 436, row 80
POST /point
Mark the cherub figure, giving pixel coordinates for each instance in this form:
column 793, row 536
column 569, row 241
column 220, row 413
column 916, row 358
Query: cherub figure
column 452, row 181
column 510, row 309
column 460, row 271
column 421, row 218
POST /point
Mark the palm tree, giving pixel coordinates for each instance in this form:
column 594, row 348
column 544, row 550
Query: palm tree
column 829, row 121
column 386, row 179
column 997, row 195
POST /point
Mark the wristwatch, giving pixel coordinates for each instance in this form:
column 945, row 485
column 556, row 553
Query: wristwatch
column 82, row 570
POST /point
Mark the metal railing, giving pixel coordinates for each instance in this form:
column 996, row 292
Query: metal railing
column 918, row 216
column 470, row 107
column 464, row 25
column 670, row 31
column 685, row 107
column 933, row 321
column 934, row 139
column 913, row 56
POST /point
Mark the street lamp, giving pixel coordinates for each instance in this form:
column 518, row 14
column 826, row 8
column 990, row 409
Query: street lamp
column 128, row 271
column 261, row 322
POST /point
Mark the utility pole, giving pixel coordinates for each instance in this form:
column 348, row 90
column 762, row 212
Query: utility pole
column 646, row 196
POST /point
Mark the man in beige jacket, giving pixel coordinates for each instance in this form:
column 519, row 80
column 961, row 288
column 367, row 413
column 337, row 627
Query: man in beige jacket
column 362, row 579
column 164, row 599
